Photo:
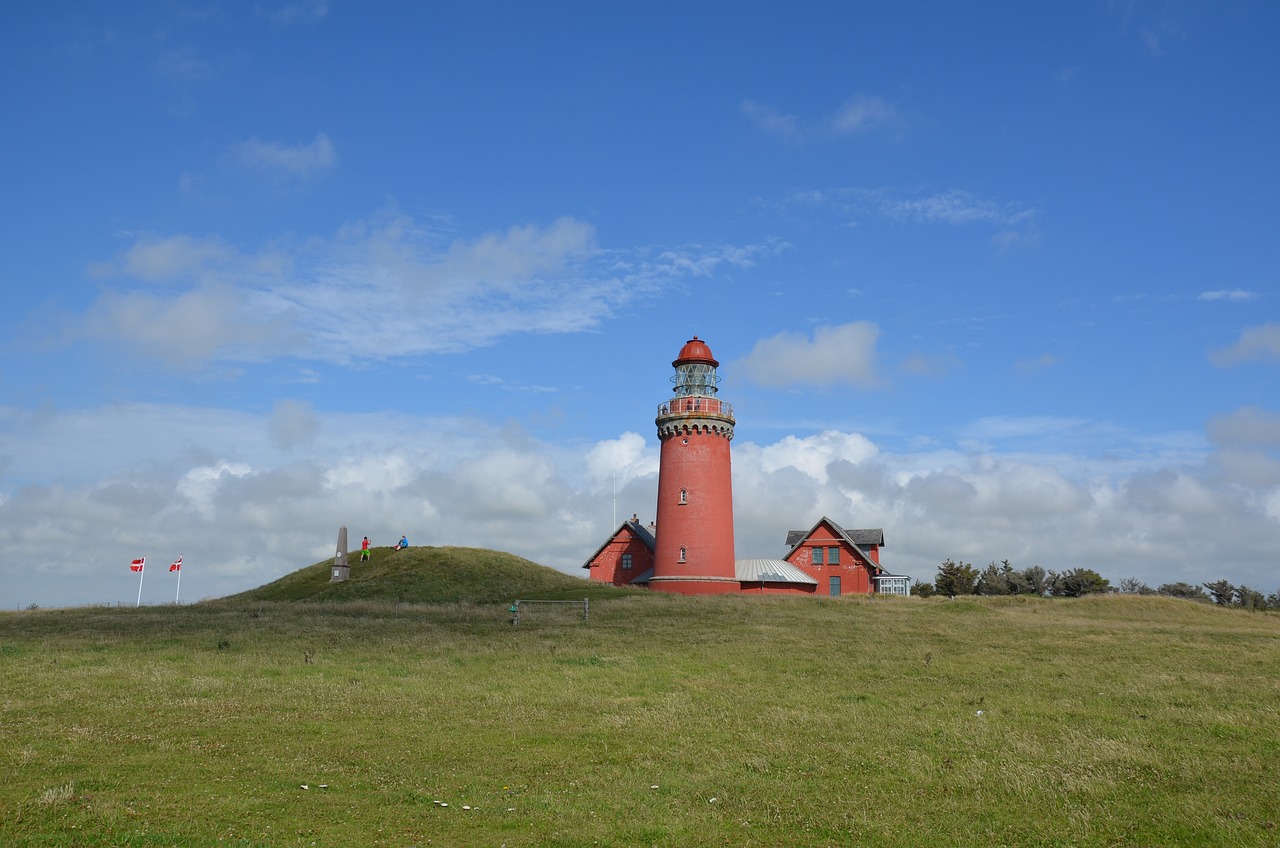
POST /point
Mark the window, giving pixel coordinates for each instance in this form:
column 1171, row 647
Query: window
column 682, row 555
column 817, row 556
column 833, row 587
column 833, row 556
column 684, row 496
column 893, row 585
column 626, row 562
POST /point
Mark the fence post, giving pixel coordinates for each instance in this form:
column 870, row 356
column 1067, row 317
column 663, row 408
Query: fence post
column 586, row 607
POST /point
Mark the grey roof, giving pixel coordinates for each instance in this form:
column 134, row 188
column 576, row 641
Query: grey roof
column 770, row 571
column 857, row 538
column 636, row 527
column 754, row 571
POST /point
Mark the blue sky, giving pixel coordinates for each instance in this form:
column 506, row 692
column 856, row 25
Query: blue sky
column 1000, row 278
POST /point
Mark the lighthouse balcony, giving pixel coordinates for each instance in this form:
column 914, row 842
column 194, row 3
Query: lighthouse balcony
column 704, row 405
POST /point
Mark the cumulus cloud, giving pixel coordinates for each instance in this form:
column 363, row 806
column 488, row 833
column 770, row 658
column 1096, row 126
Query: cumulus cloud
column 293, row 422
column 1248, row 425
column 243, row 509
column 187, row 300
column 1248, row 441
column 296, row 160
column 1260, row 344
column 839, row 355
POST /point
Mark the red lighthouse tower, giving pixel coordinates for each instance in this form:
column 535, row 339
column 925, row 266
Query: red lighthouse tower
column 693, row 553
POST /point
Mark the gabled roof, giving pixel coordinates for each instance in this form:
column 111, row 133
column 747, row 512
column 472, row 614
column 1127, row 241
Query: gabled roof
column 770, row 571
column 641, row 532
column 856, row 538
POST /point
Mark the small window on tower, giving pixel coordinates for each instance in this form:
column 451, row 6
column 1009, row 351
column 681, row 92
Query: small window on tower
column 684, row 496
column 682, row 553
column 626, row 562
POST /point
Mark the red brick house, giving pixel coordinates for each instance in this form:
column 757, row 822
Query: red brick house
column 843, row 561
column 625, row 556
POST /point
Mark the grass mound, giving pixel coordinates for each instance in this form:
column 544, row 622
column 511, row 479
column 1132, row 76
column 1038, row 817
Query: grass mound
column 428, row 575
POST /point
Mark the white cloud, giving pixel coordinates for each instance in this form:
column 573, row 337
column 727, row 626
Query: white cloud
column 1248, row 442
column 1248, row 425
column 770, row 119
column 199, row 486
column 861, row 113
column 1260, row 343
column 836, row 355
column 619, row 461
column 191, row 327
column 293, row 423
column 214, row 486
column 1232, row 294
column 814, row 454
column 186, row 300
column 298, row 160
column 954, row 207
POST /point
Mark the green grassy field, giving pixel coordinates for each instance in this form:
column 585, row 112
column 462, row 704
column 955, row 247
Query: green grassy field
column 1116, row 720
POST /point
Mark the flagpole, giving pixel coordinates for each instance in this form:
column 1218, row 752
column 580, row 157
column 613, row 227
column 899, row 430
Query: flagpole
column 179, row 592
column 142, row 573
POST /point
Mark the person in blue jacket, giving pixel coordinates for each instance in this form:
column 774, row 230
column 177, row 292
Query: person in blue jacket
column 403, row 543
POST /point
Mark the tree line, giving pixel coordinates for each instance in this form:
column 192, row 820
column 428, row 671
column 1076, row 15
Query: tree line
column 1001, row 578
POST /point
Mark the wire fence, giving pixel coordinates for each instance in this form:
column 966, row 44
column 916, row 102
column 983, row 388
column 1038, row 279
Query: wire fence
column 549, row 610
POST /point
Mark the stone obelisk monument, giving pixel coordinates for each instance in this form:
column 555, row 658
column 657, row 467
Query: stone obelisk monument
column 341, row 570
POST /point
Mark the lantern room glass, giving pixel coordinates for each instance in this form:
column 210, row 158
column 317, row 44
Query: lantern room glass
column 695, row 378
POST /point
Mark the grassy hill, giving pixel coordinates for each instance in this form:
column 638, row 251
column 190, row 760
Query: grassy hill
column 428, row 575
column 659, row 721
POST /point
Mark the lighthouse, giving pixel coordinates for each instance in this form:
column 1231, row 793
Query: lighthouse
column 693, row 553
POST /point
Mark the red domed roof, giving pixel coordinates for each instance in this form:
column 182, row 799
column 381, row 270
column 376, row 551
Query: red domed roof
column 695, row 350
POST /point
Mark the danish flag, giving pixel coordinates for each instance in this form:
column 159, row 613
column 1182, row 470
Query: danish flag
column 177, row 564
column 137, row 564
